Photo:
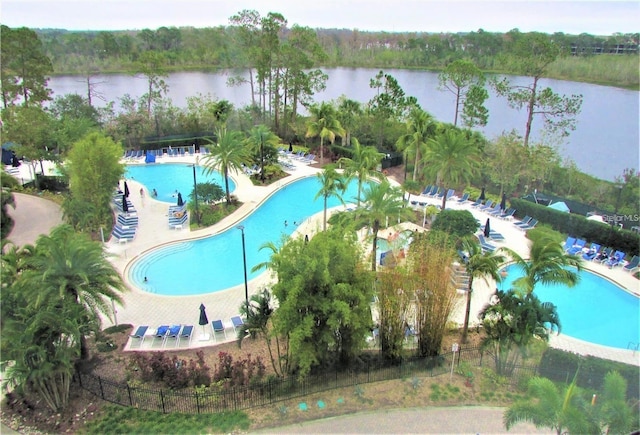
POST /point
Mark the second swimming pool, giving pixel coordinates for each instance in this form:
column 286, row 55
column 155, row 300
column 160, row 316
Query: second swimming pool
column 595, row 310
column 215, row 263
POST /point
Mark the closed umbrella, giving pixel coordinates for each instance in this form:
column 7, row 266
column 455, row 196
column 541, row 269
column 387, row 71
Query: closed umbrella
column 481, row 197
column 487, row 228
column 126, row 190
column 180, row 201
column 125, row 206
column 203, row 317
column 503, row 203
column 290, row 147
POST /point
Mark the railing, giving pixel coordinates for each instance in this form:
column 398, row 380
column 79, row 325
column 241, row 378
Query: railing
column 276, row 390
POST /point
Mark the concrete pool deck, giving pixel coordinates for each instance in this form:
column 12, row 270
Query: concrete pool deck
column 143, row 308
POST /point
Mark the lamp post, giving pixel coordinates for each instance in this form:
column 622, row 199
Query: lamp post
column 244, row 260
column 195, row 192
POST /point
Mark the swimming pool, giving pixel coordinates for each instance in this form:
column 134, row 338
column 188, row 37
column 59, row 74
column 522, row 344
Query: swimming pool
column 595, row 310
column 167, row 178
column 215, row 263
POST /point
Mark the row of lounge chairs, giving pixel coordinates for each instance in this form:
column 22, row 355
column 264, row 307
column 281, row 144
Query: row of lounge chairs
column 126, row 224
column 526, row 223
column 176, row 334
column 596, row 253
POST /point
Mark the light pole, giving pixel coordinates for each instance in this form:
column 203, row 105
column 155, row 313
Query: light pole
column 244, row 260
column 195, row 192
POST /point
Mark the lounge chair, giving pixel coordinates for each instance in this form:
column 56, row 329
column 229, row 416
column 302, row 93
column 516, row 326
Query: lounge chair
column 532, row 223
column 632, row 265
column 577, row 247
column 308, row 159
column 139, row 335
column 237, row 322
column 486, row 246
column 507, row 214
column 495, row 210
column 487, row 206
column 172, row 334
column 464, row 198
column 427, row 190
column 477, row 203
column 187, row 333
column 603, row 255
column 450, row 193
column 568, row 243
column 494, row 235
column 525, row 220
column 161, row 333
column 615, row 260
column 218, row 326
column 592, row 252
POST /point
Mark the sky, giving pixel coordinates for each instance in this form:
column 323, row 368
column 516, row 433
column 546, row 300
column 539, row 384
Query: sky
column 571, row 17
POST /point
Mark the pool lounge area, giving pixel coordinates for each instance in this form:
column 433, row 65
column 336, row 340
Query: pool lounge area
column 144, row 308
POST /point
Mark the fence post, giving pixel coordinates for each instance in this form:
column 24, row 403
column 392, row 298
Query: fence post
column 162, row 402
column 100, row 385
column 129, row 393
column 197, row 403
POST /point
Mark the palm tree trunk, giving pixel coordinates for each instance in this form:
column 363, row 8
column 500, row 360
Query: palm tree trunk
column 324, row 220
column 376, row 227
column 467, row 312
column 226, row 185
column 321, row 150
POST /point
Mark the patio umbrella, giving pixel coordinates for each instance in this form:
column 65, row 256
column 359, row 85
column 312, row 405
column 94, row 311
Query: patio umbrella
column 290, row 147
column 487, row 228
column 503, row 203
column 203, row 317
column 180, row 201
column 126, row 190
column 125, row 206
column 481, row 197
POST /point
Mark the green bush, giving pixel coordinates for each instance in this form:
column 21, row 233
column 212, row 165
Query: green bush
column 561, row 366
column 459, row 223
column 545, row 232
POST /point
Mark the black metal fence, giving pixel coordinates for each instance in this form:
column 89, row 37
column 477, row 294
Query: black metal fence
column 277, row 390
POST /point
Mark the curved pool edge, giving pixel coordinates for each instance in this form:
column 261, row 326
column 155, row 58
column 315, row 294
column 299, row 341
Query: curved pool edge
column 247, row 208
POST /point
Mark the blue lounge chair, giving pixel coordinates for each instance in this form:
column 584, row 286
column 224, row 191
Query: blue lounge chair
column 161, row 333
column 218, row 326
column 464, row 198
column 632, row 265
column 486, row 206
column 172, row 334
column 508, row 214
column 530, row 225
column 477, row 203
column 615, row 259
column 186, row 334
column 427, row 190
column 592, row 252
column 577, row 247
column 525, row 220
column 139, row 335
column 450, row 193
column 494, row 235
column 495, row 210
column 486, row 246
column 237, row 322
column 568, row 243
column 603, row 255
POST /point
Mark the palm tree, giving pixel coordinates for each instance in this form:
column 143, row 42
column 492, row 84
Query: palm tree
column 420, row 127
column 259, row 136
column 362, row 165
column 451, row 159
column 258, row 317
column 348, row 110
column 228, row 154
column 69, row 266
column 512, row 322
column 478, row 264
column 547, row 406
column 331, row 184
column 381, row 201
column 547, row 264
column 324, row 123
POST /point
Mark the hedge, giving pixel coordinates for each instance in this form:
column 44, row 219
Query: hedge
column 561, row 366
column 580, row 227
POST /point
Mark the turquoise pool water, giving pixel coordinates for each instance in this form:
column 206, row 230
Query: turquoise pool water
column 167, row 178
column 215, row 263
column 595, row 310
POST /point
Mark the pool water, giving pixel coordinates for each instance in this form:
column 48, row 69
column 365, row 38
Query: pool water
column 169, row 178
column 215, row 263
column 595, row 310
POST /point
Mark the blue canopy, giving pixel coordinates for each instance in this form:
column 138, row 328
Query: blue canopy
column 560, row 206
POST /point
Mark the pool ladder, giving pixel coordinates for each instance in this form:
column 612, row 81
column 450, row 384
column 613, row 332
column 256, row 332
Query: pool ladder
column 633, row 346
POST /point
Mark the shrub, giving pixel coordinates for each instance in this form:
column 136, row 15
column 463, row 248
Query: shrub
column 243, row 372
column 458, row 223
column 174, row 372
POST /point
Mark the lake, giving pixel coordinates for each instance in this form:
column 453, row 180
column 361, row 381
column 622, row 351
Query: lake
column 605, row 142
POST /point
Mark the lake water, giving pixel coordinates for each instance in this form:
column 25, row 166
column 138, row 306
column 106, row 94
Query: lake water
column 605, row 142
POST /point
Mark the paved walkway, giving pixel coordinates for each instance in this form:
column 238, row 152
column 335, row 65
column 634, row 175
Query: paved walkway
column 436, row 420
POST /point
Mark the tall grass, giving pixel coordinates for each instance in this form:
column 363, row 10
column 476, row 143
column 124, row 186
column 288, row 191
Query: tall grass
column 607, row 69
